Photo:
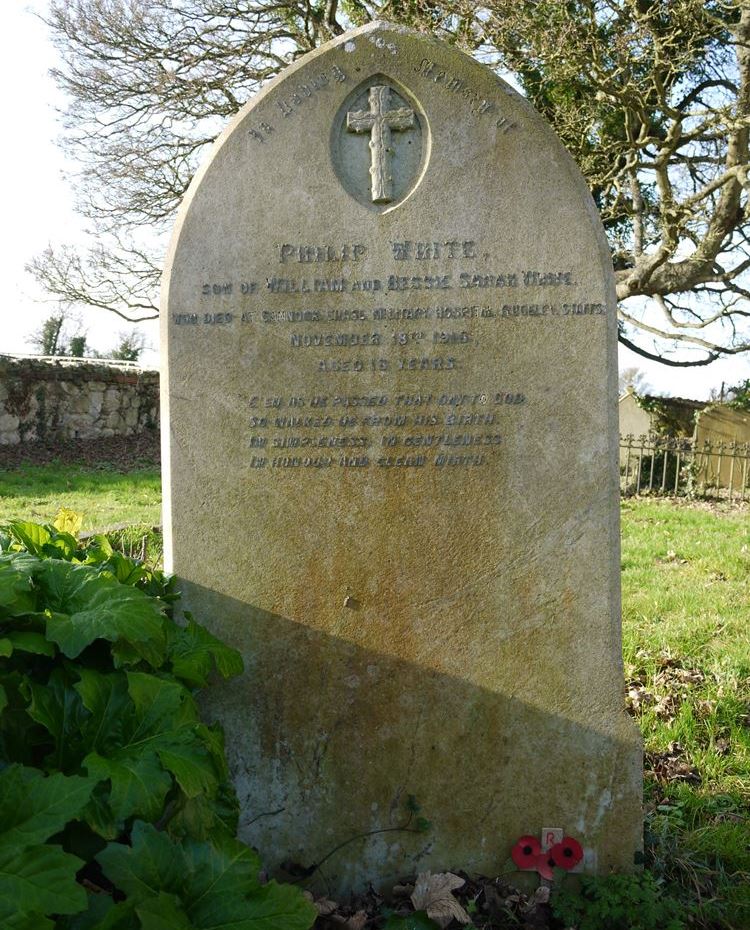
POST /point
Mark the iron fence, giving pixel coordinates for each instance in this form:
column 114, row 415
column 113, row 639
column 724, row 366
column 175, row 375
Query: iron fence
column 670, row 466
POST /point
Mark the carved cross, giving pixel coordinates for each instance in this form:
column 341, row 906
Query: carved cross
column 380, row 121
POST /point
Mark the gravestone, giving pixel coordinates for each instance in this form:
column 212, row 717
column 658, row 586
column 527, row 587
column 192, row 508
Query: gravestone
column 391, row 468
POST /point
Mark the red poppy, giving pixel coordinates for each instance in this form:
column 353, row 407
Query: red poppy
column 567, row 853
column 545, row 865
column 525, row 852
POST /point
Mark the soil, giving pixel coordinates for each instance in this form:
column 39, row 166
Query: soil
column 121, row 453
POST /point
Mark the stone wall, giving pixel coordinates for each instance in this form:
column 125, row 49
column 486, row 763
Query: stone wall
column 48, row 400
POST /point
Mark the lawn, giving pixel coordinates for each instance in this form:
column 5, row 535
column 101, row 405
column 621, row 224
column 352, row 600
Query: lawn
column 105, row 497
column 686, row 640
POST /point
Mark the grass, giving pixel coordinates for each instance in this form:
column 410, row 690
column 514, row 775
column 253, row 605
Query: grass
column 686, row 640
column 105, row 497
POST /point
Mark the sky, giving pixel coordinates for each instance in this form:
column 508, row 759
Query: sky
column 39, row 211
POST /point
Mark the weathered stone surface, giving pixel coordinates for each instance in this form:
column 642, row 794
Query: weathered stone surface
column 391, row 467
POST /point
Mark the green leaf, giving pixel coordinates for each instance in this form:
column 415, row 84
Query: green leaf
column 86, row 605
column 217, row 886
column 206, row 817
column 194, row 652
column 6, row 648
column 139, row 783
column 150, row 865
column 3, row 699
column 125, row 570
column 167, row 716
column 16, row 584
column 41, row 879
column 34, row 643
column 269, row 907
column 103, row 914
column 143, row 731
column 416, row 921
column 31, row 535
column 111, row 709
column 98, row 550
column 57, row 707
column 44, row 541
column 163, row 913
column 34, row 807
column 13, row 919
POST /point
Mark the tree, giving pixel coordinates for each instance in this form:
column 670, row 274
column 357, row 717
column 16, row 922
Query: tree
column 738, row 396
column 634, row 379
column 52, row 337
column 129, row 347
column 77, row 347
column 652, row 98
column 48, row 340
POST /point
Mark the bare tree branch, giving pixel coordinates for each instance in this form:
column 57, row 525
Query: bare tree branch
column 651, row 98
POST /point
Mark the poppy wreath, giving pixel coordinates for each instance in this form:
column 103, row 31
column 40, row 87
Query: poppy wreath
column 527, row 854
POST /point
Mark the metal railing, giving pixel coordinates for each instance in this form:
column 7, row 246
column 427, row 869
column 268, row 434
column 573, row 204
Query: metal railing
column 669, row 466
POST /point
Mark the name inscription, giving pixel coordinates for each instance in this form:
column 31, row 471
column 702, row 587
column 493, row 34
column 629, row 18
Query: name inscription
column 349, row 334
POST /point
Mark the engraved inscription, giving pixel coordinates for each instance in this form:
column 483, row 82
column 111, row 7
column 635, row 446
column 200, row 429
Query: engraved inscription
column 479, row 106
column 380, row 121
column 399, row 430
column 430, row 333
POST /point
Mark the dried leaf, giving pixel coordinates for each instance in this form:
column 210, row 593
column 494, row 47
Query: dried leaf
column 432, row 893
column 540, row 896
column 324, row 906
column 356, row 921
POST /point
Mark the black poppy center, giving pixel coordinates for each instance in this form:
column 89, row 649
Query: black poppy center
column 527, row 850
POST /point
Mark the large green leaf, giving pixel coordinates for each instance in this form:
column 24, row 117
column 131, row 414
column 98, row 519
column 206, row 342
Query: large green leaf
column 85, row 605
column 163, row 912
column 34, row 807
column 16, row 584
column 139, row 783
column 31, row 642
column 168, row 718
column 151, row 864
column 125, row 570
column 57, row 706
column 13, row 919
column 111, row 710
column 44, row 541
column 206, row 817
column 268, row 907
column 216, row 886
column 31, row 535
column 102, row 914
column 194, row 652
column 37, row 879
column 41, row 880
column 144, row 730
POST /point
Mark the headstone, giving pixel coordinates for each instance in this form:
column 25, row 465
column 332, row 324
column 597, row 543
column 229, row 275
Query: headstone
column 391, row 468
